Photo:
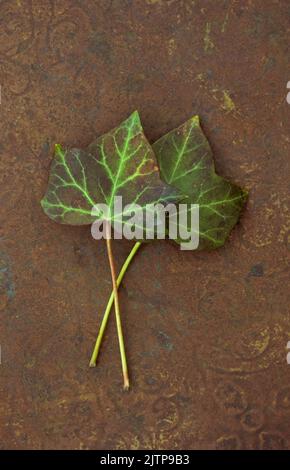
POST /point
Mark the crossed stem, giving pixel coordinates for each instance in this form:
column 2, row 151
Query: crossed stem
column 114, row 298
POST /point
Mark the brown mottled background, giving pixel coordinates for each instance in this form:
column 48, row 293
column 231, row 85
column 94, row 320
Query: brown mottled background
column 206, row 333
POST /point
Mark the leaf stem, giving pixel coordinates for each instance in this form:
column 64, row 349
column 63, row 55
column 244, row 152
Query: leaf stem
column 102, row 329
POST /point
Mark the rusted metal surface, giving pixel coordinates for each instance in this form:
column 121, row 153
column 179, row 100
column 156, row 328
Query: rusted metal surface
column 206, row 333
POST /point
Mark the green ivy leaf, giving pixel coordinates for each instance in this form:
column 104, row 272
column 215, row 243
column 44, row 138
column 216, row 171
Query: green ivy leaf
column 186, row 162
column 119, row 163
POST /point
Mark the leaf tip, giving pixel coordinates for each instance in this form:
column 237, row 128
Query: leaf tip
column 245, row 194
column 195, row 120
column 44, row 206
column 58, row 148
column 135, row 116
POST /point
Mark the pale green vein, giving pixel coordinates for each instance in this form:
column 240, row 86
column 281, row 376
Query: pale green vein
column 181, row 152
column 69, row 173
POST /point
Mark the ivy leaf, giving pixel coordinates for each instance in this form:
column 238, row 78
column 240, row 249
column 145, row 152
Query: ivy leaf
column 119, row 163
column 186, row 162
